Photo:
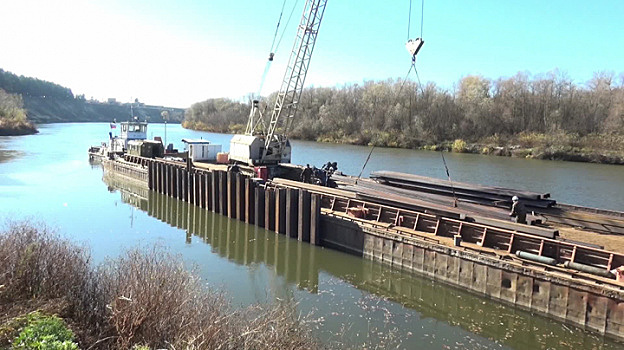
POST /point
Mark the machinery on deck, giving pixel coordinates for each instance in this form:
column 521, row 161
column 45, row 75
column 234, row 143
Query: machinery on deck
column 265, row 142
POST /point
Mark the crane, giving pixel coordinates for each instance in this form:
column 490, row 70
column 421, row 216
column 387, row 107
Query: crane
column 265, row 141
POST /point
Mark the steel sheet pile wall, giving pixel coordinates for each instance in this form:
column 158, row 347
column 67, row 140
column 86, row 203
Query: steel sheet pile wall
column 292, row 212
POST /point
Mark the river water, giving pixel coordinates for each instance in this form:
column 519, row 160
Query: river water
column 48, row 178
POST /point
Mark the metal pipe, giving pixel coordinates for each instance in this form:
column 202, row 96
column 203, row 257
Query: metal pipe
column 534, row 257
column 589, row 269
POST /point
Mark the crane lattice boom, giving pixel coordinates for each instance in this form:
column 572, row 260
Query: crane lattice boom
column 296, row 71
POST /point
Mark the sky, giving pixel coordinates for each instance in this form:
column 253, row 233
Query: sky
column 176, row 53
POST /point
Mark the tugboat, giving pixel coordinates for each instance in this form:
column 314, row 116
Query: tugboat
column 131, row 132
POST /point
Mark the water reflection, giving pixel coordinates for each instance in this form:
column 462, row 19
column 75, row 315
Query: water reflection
column 424, row 312
column 9, row 155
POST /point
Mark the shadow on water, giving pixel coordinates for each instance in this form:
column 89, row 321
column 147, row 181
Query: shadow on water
column 304, row 266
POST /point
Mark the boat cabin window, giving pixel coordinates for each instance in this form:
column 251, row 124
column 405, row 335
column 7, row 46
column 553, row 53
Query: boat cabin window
column 133, row 128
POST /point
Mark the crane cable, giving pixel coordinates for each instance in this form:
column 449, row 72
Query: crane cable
column 274, row 47
column 409, row 23
column 422, row 18
column 422, row 15
column 412, row 66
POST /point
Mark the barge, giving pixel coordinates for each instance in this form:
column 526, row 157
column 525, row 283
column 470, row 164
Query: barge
column 528, row 266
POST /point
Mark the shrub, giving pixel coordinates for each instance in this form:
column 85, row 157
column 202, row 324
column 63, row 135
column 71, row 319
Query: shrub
column 153, row 300
column 36, row 262
column 459, row 146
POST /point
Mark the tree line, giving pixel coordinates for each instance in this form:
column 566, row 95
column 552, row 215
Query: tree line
column 34, row 87
column 46, row 102
column 401, row 113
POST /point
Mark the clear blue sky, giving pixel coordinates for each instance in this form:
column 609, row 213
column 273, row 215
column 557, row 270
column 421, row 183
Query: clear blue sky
column 180, row 52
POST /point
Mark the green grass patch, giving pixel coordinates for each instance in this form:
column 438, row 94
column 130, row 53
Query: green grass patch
column 45, row 333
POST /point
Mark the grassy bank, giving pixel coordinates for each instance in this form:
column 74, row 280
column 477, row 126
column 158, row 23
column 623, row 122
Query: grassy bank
column 593, row 148
column 144, row 298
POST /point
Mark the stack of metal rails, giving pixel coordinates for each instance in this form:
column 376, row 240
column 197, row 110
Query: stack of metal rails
column 481, row 204
column 471, row 193
column 407, row 197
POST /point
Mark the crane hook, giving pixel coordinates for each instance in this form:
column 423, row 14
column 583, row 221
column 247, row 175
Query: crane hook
column 413, row 46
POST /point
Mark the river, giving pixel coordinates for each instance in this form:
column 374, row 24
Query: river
column 48, row 178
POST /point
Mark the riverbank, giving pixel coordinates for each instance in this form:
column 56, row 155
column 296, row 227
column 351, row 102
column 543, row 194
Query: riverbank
column 7, row 128
column 146, row 298
column 593, row 148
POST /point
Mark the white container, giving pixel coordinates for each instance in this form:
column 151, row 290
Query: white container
column 201, row 150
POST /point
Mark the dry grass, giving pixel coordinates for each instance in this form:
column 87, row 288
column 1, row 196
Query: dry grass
column 145, row 297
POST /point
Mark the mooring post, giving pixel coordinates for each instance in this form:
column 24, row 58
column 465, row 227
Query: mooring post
column 154, row 175
column 280, row 210
column 292, row 204
column 259, row 206
column 157, row 177
column 231, row 194
column 249, row 201
column 183, row 184
column 179, row 183
column 240, row 197
column 191, row 189
column 269, row 209
column 214, row 191
column 315, row 219
column 164, row 178
column 223, row 192
column 174, row 182
column 171, row 185
column 196, row 185
column 200, row 190
column 163, row 169
column 303, row 227
column 149, row 175
column 168, row 179
column 207, row 191
column 189, row 186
